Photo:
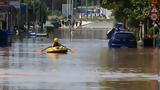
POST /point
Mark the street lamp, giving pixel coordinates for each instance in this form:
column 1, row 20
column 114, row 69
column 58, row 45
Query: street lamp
column 70, row 14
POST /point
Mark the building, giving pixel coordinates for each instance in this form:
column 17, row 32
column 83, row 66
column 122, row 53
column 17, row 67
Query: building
column 7, row 15
column 8, row 19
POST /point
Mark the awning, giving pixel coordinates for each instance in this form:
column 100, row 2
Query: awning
column 4, row 8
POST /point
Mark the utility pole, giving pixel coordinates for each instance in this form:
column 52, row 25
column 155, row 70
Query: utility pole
column 27, row 17
column 34, row 17
column 86, row 3
column 52, row 7
column 70, row 14
column 41, row 16
column 75, row 5
column 72, row 9
column 67, row 9
column 87, row 7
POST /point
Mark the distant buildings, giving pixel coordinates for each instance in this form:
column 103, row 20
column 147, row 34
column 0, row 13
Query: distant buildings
column 8, row 15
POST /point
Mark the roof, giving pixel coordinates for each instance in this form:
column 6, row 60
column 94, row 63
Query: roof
column 124, row 32
column 48, row 24
column 4, row 6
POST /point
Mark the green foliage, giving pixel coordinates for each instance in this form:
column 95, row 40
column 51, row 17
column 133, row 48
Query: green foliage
column 133, row 11
column 88, row 0
column 34, row 7
column 158, row 37
column 31, row 3
column 55, row 13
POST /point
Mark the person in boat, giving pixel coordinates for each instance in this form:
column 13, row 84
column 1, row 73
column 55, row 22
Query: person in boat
column 56, row 42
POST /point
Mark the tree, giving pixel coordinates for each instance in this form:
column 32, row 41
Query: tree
column 88, row 1
column 55, row 4
column 132, row 11
column 34, row 8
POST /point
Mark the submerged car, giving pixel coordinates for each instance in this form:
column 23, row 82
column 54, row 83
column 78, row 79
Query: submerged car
column 56, row 22
column 123, row 39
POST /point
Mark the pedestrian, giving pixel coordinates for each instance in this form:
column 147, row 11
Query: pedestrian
column 76, row 23
column 80, row 23
column 63, row 23
column 73, row 23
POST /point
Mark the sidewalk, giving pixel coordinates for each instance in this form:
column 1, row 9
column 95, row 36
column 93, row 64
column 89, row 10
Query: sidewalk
column 86, row 22
column 83, row 24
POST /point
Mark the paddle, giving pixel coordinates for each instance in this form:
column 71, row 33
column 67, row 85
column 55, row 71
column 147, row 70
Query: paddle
column 65, row 47
column 39, row 51
column 45, row 48
column 71, row 50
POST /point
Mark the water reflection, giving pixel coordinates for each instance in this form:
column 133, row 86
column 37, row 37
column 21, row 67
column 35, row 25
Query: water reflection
column 95, row 67
column 79, row 34
column 129, row 85
column 4, row 58
column 55, row 56
column 130, row 60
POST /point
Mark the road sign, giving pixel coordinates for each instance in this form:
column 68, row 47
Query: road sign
column 154, row 16
column 154, row 10
column 23, row 8
column 154, row 13
column 154, row 2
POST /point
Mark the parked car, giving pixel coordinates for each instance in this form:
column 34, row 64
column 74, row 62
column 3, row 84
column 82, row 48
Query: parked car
column 5, row 39
column 56, row 22
column 123, row 39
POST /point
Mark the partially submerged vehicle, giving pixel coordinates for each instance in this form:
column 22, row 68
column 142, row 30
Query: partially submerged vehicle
column 123, row 39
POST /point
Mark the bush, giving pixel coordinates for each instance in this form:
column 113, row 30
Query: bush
column 158, row 37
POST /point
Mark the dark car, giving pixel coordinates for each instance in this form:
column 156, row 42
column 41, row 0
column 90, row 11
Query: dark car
column 123, row 39
column 56, row 22
column 5, row 39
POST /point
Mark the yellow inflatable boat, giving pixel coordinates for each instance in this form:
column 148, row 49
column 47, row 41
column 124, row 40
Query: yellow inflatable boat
column 57, row 49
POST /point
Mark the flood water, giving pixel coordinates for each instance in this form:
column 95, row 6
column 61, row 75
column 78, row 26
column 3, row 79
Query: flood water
column 92, row 66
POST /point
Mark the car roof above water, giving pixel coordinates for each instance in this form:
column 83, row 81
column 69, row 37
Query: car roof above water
column 125, row 32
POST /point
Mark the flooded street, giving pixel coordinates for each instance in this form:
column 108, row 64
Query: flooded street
column 93, row 66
